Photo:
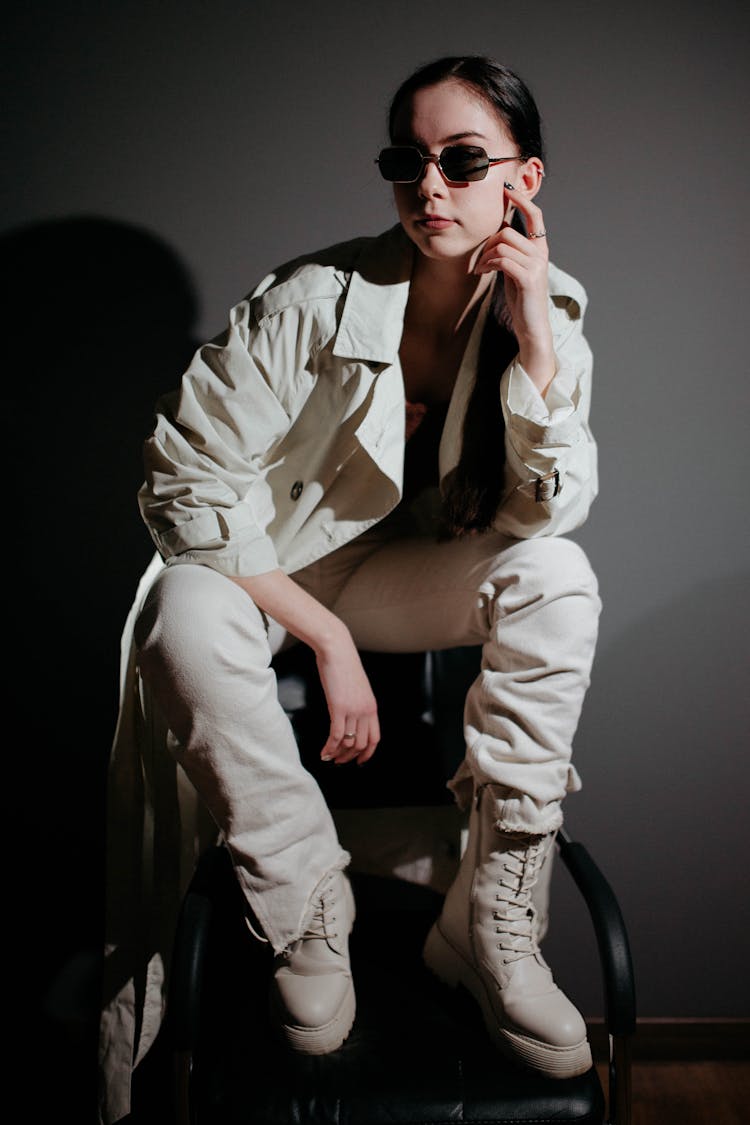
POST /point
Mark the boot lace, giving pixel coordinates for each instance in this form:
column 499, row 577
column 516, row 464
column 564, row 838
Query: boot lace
column 322, row 915
column 514, row 908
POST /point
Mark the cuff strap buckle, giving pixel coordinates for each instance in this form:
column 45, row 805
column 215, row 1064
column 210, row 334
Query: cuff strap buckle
column 547, row 486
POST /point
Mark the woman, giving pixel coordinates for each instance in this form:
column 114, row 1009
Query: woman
column 381, row 453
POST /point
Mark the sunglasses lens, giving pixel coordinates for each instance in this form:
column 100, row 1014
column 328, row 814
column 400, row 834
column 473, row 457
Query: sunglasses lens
column 400, row 164
column 460, row 164
column 464, row 163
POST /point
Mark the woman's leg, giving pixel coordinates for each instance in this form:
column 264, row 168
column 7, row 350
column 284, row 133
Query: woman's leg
column 205, row 654
column 533, row 605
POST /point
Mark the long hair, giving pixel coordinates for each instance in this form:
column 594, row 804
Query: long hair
column 473, row 491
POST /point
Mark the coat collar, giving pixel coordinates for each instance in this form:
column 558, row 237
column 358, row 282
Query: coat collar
column 372, row 320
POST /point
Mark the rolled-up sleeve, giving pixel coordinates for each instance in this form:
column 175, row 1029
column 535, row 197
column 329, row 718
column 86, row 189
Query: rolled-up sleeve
column 205, row 498
column 551, row 456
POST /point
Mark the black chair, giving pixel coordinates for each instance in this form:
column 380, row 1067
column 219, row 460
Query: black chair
column 417, row 1053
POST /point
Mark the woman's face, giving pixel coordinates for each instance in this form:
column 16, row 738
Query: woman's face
column 446, row 220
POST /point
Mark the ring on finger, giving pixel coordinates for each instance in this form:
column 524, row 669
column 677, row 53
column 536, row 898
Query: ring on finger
column 349, row 736
column 539, row 234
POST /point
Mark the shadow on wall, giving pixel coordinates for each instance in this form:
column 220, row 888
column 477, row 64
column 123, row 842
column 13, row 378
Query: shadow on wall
column 99, row 318
column 662, row 749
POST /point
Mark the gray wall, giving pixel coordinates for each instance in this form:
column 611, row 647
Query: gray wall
column 163, row 115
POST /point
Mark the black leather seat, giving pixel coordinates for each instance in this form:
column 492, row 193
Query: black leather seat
column 417, row 1052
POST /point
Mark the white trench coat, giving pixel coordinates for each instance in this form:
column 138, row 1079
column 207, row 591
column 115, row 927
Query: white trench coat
column 252, row 466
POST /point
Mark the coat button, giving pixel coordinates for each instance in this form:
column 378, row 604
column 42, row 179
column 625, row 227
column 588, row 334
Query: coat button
column 296, row 491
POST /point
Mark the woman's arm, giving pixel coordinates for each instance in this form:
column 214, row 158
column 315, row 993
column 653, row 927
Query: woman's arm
column 206, row 499
column 351, row 703
column 524, row 264
column 550, row 453
column 550, row 462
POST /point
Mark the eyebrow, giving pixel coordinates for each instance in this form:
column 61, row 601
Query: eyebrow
column 445, row 141
column 462, row 137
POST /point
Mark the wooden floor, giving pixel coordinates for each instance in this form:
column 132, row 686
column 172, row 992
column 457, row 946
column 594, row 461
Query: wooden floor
column 689, row 1093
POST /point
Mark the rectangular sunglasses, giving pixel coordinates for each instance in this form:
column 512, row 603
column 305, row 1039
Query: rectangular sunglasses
column 459, row 164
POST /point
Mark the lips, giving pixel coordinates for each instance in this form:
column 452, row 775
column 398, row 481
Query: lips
column 434, row 222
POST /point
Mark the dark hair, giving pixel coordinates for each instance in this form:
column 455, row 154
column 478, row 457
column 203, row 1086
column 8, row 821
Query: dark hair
column 474, row 489
column 508, row 95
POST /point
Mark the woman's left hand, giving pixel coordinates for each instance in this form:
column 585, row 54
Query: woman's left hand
column 523, row 262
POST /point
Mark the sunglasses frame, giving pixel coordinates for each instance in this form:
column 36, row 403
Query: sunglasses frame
column 430, row 158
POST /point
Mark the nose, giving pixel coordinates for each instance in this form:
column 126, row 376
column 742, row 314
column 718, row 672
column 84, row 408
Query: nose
column 431, row 181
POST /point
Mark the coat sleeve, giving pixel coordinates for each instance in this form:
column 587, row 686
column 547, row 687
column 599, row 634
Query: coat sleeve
column 205, row 498
column 550, row 453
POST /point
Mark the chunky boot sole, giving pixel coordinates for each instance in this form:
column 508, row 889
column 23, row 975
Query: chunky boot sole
column 319, row 1040
column 445, row 961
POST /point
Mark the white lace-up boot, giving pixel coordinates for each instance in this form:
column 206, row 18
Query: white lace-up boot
column 485, row 939
column 312, row 993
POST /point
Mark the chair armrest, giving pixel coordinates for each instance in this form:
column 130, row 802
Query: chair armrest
column 611, row 935
column 617, row 969
column 189, row 951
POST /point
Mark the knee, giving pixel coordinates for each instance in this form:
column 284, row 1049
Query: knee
column 199, row 638
column 185, row 612
column 549, row 569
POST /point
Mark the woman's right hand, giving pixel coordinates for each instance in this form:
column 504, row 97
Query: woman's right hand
column 351, row 704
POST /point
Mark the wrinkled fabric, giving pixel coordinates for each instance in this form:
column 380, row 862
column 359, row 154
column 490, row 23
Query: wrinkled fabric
column 286, row 438
column 284, row 443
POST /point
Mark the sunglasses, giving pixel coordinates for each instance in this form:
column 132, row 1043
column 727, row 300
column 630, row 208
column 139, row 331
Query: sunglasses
column 459, row 164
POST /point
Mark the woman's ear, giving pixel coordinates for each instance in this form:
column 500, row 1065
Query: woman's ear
column 530, row 179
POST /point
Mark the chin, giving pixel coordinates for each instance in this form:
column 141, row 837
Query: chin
column 442, row 246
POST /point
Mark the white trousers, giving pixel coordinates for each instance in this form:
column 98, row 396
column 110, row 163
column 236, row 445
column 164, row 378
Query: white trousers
column 205, row 651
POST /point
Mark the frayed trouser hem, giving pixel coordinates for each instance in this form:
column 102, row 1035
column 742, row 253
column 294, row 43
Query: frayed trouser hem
column 282, row 937
column 514, row 811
